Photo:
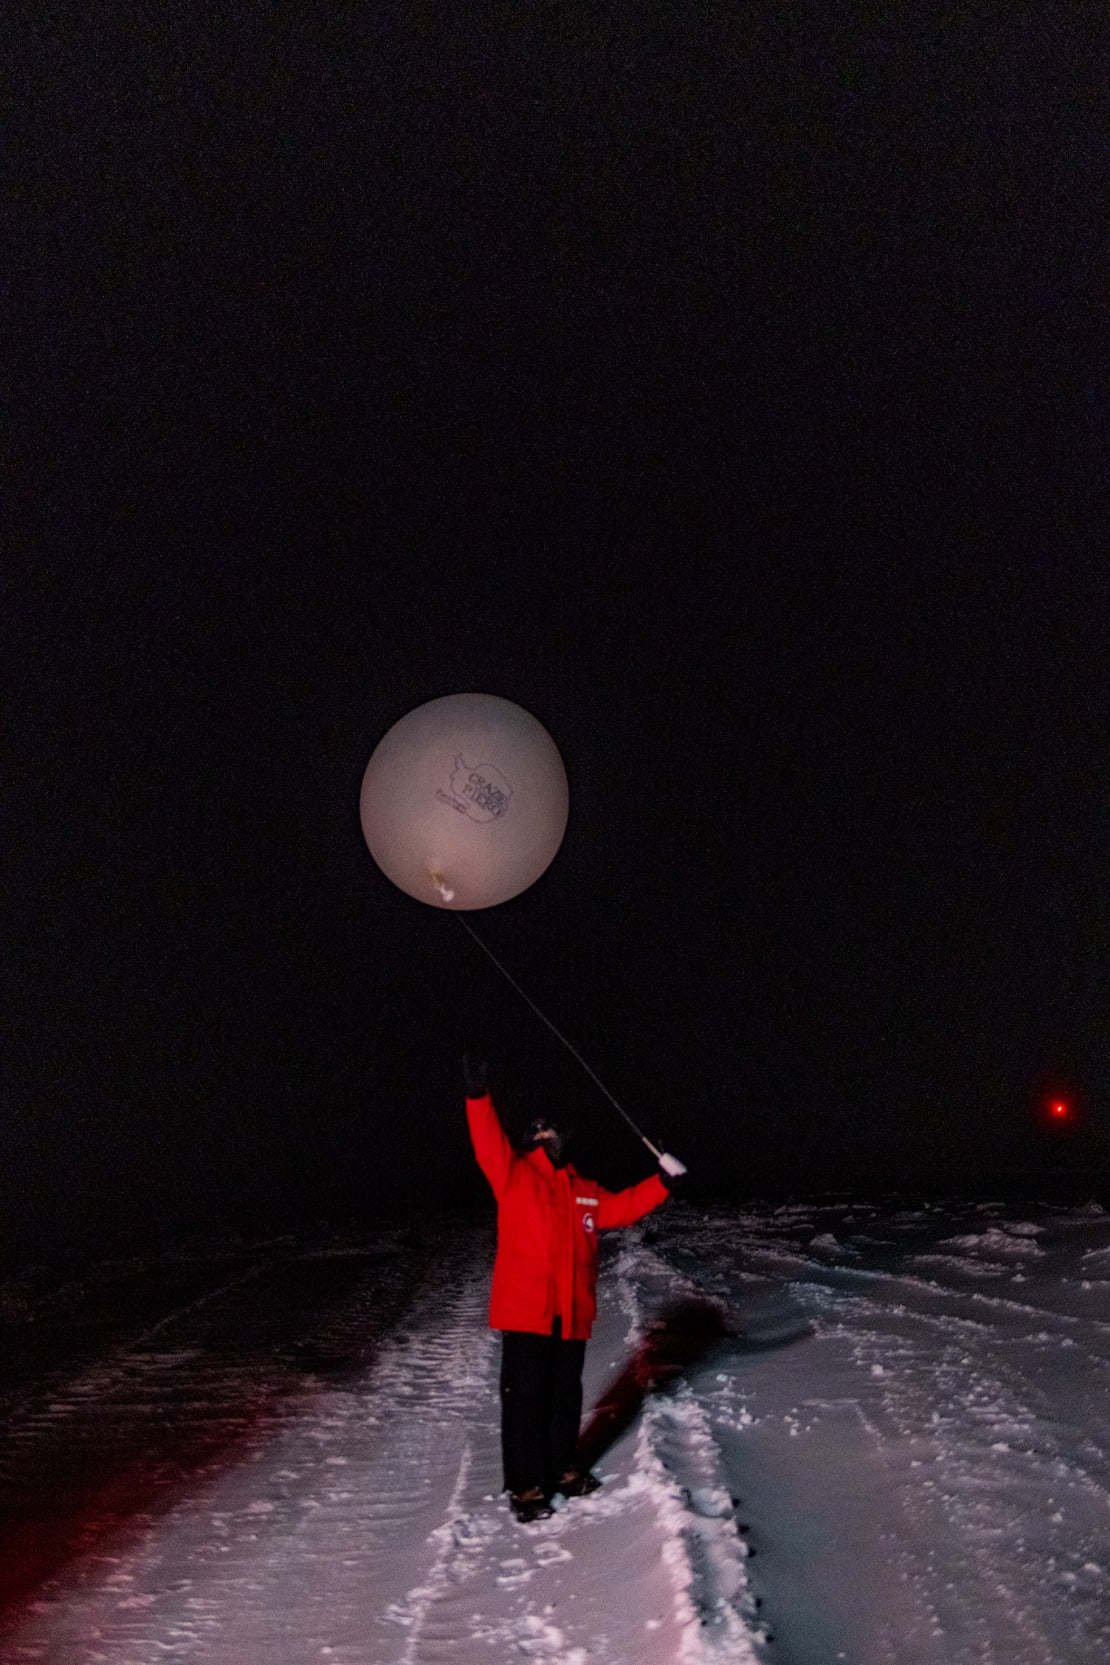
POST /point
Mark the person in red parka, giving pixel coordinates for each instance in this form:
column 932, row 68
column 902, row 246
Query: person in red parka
column 543, row 1298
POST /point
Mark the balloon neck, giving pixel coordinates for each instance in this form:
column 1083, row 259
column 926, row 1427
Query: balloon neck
column 443, row 888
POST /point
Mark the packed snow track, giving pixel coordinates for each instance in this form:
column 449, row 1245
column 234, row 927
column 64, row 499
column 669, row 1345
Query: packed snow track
column 829, row 1431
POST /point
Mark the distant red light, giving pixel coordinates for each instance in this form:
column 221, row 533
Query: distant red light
column 1059, row 1109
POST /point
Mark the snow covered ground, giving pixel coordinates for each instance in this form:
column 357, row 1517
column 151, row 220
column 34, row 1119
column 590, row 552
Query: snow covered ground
column 869, row 1433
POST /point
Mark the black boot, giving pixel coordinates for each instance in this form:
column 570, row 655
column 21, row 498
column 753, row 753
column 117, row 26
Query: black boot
column 530, row 1505
column 578, row 1483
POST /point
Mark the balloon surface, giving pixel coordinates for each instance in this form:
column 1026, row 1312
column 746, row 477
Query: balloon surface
column 464, row 801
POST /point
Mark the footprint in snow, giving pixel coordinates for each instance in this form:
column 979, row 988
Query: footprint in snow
column 471, row 1533
column 548, row 1553
column 538, row 1639
column 514, row 1572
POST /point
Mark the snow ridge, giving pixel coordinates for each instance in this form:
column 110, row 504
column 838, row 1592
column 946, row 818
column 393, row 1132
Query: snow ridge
column 444, row 1569
column 678, row 1459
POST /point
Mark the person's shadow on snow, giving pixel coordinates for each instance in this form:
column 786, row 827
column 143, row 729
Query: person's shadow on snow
column 681, row 1335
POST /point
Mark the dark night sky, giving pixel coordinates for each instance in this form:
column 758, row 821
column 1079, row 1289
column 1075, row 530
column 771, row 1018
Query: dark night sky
column 726, row 385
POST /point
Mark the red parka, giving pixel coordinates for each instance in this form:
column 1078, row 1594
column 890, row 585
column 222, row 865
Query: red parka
column 548, row 1219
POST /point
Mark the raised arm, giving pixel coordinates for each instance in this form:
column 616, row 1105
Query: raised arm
column 491, row 1145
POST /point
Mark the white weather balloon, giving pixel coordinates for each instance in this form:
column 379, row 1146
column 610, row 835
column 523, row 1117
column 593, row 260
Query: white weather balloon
column 464, row 801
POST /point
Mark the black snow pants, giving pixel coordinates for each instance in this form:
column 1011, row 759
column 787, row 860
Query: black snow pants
column 541, row 1408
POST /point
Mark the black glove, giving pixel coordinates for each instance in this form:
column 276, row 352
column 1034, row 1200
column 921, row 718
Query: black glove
column 675, row 1183
column 475, row 1077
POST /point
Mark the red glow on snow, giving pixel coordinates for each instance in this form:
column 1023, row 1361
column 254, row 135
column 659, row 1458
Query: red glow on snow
column 71, row 1509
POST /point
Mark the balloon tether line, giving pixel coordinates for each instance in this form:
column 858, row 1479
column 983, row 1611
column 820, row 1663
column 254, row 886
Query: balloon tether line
column 658, row 1154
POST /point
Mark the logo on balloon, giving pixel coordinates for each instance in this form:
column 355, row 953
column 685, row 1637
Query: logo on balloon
column 477, row 790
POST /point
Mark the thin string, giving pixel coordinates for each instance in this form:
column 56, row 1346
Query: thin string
column 469, row 929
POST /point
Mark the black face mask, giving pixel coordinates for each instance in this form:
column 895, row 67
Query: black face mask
column 542, row 1135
